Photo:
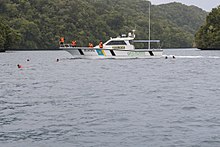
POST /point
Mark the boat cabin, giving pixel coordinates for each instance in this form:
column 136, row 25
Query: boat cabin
column 121, row 42
column 126, row 42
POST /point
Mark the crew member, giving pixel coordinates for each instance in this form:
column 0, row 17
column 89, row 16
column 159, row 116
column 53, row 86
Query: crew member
column 90, row 45
column 100, row 44
column 62, row 40
column 73, row 43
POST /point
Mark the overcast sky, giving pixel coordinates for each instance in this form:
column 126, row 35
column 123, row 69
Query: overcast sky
column 204, row 4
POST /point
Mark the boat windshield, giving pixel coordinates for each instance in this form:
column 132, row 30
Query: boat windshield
column 117, row 42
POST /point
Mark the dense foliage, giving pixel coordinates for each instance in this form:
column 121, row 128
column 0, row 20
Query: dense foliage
column 208, row 36
column 41, row 23
column 8, row 37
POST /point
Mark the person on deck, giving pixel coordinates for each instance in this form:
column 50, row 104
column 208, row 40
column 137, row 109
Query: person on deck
column 100, row 44
column 62, row 40
column 90, row 45
column 73, row 43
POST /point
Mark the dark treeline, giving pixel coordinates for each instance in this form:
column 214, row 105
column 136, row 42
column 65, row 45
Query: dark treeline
column 34, row 24
column 8, row 36
column 208, row 36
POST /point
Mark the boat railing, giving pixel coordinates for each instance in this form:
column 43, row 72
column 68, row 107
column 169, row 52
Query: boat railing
column 65, row 45
column 146, row 41
column 141, row 44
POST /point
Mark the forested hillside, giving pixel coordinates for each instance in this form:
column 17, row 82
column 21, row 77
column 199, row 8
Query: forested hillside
column 40, row 23
column 208, row 36
column 8, row 36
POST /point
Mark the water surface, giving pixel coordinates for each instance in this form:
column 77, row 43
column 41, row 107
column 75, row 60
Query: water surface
column 141, row 102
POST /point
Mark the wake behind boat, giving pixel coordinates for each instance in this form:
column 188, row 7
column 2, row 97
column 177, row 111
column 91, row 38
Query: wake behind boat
column 121, row 47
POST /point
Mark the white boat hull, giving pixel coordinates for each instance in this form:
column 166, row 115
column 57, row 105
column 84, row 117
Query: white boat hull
column 97, row 53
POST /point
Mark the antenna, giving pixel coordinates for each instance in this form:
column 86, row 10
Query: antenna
column 149, row 26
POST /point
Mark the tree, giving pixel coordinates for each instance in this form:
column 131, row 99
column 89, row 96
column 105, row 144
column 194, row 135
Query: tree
column 208, row 36
column 40, row 23
column 9, row 38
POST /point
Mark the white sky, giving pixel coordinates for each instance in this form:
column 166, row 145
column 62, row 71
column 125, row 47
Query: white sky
column 204, row 4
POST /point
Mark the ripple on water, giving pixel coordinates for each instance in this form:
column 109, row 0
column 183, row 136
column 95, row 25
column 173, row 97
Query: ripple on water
column 188, row 108
column 109, row 102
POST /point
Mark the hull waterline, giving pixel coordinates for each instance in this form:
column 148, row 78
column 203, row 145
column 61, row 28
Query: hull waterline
column 96, row 53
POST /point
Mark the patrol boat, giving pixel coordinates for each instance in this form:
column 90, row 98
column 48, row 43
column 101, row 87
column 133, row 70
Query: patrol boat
column 121, row 47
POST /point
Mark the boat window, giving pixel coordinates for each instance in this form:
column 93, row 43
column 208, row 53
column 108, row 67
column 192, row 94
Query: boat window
column 131, row 42
column 116, row 43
